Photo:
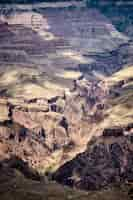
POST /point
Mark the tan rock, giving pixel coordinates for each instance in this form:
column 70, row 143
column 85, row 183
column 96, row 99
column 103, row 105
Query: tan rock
column 4, row 110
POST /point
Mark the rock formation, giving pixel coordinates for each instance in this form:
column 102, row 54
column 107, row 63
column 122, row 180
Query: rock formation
column 66, row 95
column 107, row 160
column 45, row 110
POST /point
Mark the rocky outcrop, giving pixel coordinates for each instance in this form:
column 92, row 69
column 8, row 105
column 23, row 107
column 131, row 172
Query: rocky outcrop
column 107, row 160
column 36, row 129
column 30, row 139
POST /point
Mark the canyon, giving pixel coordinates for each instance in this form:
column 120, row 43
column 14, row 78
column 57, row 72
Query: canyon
column 66, row 80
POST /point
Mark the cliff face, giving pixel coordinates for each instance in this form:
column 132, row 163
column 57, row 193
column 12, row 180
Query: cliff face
column 61, row 85
column 107, row 158
column 106, row 161
column 51, row 93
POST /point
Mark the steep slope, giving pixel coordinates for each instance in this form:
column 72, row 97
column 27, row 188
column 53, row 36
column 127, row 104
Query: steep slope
column 64, row 80
column 107, row 159
column 16, row 185
column 48, row 84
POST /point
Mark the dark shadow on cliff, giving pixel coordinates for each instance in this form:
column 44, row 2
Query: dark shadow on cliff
column 16, row 163
column 108, row 160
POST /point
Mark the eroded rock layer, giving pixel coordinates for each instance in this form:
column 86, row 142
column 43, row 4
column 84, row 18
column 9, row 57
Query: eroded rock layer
column 57, row 92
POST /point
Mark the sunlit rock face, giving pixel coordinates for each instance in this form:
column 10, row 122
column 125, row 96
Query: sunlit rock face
column 51, row 61
column 70, row 42
column 62, row 52
column 108, row 156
